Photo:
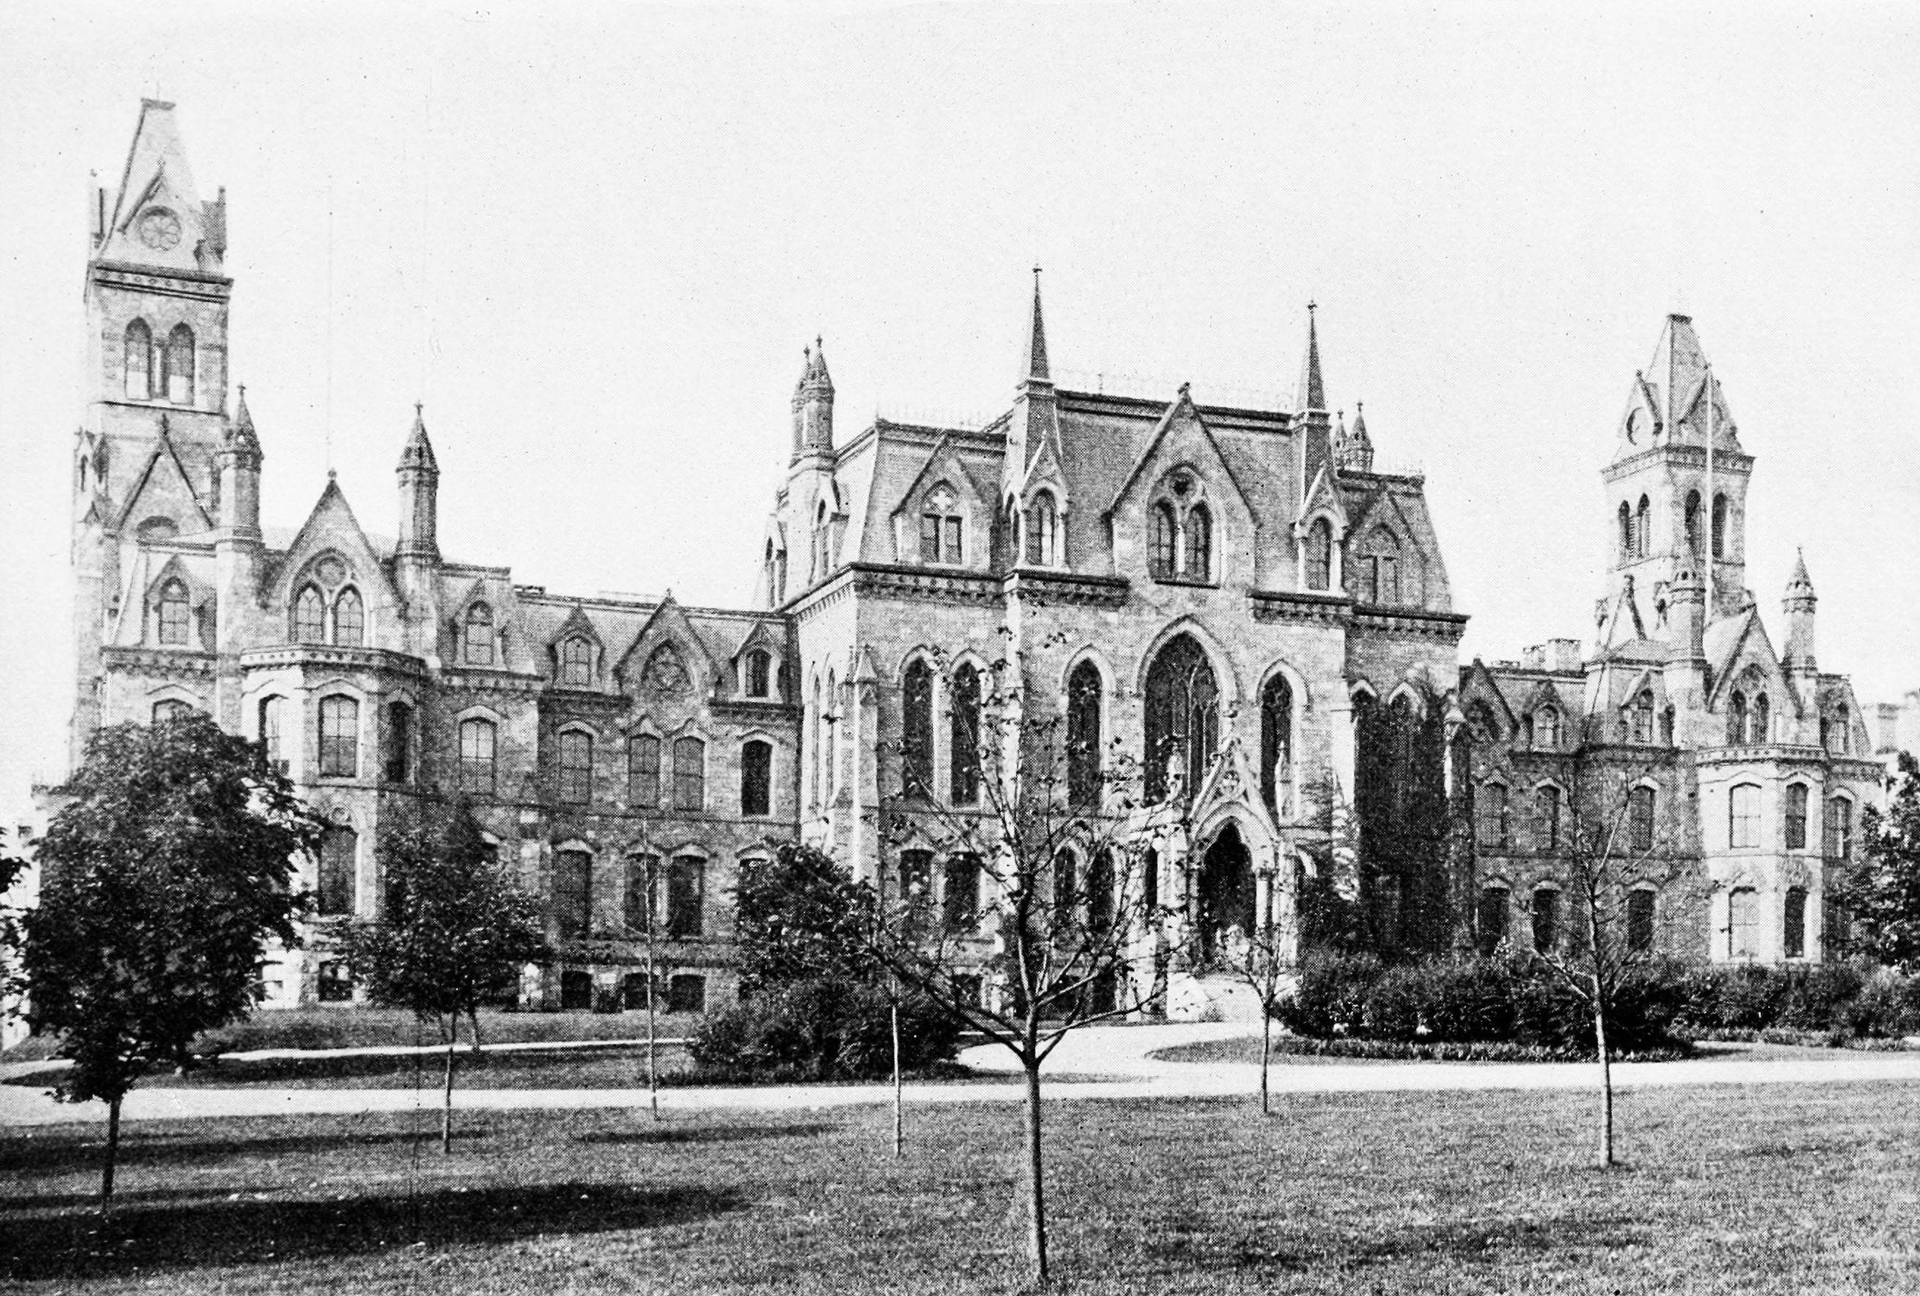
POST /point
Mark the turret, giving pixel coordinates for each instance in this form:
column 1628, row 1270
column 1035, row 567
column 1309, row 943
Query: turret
column 813, row 405
column 240, row 476
column 419, row 474
column 1798, row 604
column 1353, row 448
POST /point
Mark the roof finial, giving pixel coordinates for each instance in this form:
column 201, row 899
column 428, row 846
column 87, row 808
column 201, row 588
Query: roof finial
column 1311, row 394
column 1033, row 365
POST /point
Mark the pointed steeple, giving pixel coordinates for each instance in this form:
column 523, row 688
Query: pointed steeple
column 817, row 371
column 1311, row 394
column 240, row 437
column 1799, row 584
column 1355, row 449
column 1799, row 605
column 1033, row 365
column 418, row 452
column 419, row 504
column 156, row 217
column 813, row 404
column 1310, row 420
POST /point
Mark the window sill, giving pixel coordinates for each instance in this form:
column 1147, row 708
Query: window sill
column 1191, row 582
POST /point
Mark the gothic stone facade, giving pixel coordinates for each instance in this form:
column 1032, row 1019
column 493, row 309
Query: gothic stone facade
column 620, row 748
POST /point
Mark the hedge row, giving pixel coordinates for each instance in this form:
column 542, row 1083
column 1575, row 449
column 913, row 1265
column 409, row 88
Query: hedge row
column 1853, row 1000
column 822, row 1028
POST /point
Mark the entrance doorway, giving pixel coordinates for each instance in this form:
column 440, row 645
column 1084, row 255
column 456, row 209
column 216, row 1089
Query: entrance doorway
column 1226, row 893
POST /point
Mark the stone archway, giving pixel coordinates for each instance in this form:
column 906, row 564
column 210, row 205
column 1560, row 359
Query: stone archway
column 1225, row 893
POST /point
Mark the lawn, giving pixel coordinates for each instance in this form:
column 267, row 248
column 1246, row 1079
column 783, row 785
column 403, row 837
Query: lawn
column 1789, row 1189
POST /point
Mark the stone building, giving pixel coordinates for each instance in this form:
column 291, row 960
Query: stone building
column 1237, row 599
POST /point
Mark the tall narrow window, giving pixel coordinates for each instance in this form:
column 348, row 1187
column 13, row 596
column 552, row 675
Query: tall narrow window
column 1842, row 731
column 1100, row 890
column 1743, row 923
column 1043, row 524
column 139, row 361
column 399, row 762
column 309, row 617
column 1066, row 887
column 1640, row 819
column 339, row 850
column 1320, row 555
column 759, row 674
column 1743, row 817
column 826, row 730
column 273, row 713
column 1546, row 729
column 173, row 614
column 1719, row 526
column 476, row 756
column 1199, row 554
column 1182, row 717
column 477, row 649
column 963, row 755
column 1491, row 802
column 1276, row 745
column 576, row 767
column 960, row 893
column 576, row 662
column 1759, row 728
column 1083, row 735
column 756, row 778
column 1736, row 718
column 1491, row 918
column 643, row 771
column 1386, row 579
column 1693, row 524
column 916, row 880
column 1794, row 924
column 1641, row 718
column 916, row 706
column 349, row 621
column 1626, row 530
column 1642, row 528
column 689, row 774
column 1162, row 527
column 1546, row 919
column 180, row 365
column 1839, row 825
column 643, row 873
column 573, row 893
column 1796, row 816
column 339, row 737
column 1548, row 799
column 686, row 897
column 1640, row 922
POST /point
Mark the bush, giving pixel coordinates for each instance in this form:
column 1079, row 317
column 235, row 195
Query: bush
column 1332, row 995
column 821, row 1028
column 1817, row 999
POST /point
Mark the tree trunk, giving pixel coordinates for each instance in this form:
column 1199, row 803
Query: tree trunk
column 899, row 1115
column 446, row 1106
column 1036, row 1193
column 653, row 994
column 1606, row 1078
column 113, row 1149
column 1266, row 1056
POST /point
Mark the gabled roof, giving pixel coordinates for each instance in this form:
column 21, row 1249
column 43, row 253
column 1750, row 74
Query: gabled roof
column 943, row 456
column 164, row 478
column 157, row 179
column 1476, row 681
column 332, row 525
column 1181, row 409
column 670, row 624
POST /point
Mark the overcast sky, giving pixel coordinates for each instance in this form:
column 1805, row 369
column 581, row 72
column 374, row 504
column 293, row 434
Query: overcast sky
column 593, row 239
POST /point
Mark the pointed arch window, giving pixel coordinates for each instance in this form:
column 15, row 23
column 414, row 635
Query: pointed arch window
column 476, row 756
column 309, row 617
column 1182, row 716
column 173, row 614
column 940, row 530
column 1626, row 530
column 964, row 737
column 1719, row 526
column 1642, row 528
column 917, row 729
column 1043, row 531
column 273, row 712
column 1163, row 527
column 1320, row 555
column 1276, row 745
column 576, row 662
column 477, row 646
column 349, row 619
column 1693, row 520
column 643, row 771
column 1084, row 689
column 756, row 778
column 1758, row 727
column 689, row 774
column 1640, row 718
column 339, row 737
column 1199, row 550
column 1736, row 718
column 1840, row 733
column 180, row 365
column 139, row 361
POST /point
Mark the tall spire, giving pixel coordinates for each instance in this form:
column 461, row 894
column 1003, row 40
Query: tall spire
column 1033, row 365
column 1799, row 585
column 418, row 452
column 1311, row 394
column 240, row 434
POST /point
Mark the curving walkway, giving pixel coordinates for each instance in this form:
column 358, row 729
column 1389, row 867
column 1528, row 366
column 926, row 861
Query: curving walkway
column 1099, row 1062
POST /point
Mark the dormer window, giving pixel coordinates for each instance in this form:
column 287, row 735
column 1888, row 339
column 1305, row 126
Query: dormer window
column 1180, row 532
column 349, row 620
column 576, row 662
column 477, row 646
column 173, row 614
column 1640, row 718
column 1546, row 729
column 940, row 529
column 1043, row 531
column 1320, row 555
column 759, row 674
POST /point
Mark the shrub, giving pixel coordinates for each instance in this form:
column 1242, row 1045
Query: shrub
column 821, row 1028
column 1887, row 1007
column 1817, row 999
column 1332, row 994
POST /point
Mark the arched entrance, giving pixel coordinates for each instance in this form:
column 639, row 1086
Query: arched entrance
column 1225, row 896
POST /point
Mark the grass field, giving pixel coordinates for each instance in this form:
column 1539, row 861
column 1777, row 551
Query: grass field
column 1788, row 1189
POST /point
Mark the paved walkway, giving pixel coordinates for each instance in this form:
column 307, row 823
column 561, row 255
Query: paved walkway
column 1109, row 1062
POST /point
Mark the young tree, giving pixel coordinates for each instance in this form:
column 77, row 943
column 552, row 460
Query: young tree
column 1883, row 896
column 454, row 930
column 163, row 877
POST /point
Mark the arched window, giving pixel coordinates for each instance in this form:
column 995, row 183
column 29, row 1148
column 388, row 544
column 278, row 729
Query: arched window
column 1161, row 541
column 1492, row 806
column 1642, row 528
column 643, row 771
column 1320, row 555
column 1100, row 896
column 1043, row 527
column 1640, row 819
column 573, row 897
column 1666, row 726
column 1546, row 919
column 339, row 737
column 1743, row 817
column 173, row 614
column 170, row 709
column 1641, row 717
column 476, row 756
column 1546, row 729
column 1084, row 690
column 1794, row 925
column 759, row 674
column 1626, row 530
column 916, row 718
column 309, row 617
column 1839, row 828
column 1065, row 887
column 964, row 737
column 399, row 762
column 1548, row 801
column 686, row 907
column 1719, row 526
column 820, row 541
column 1796, row 816
column 1490, row 918
column 1276, row 745
column 576, row 767
column 826, row 730
column 1693, row 520
column 477, row 644
column 139, row 361
column 1758, row 730
column 1841, row 732
column 940, row 530
column 1736, row 717
column 756, row 778
column 1199, row 554
column 180, row 365
column 1640, row 921
column 689, row 774
column 960, row 892
column 576, row 662
column 273, row 713
column 812, row 746
column 1743, row 923
column 1183, row 716
column 339, row 850
column 1526, row 732
column 349, row 622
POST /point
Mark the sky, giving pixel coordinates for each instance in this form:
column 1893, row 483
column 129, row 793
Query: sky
column 593, row 239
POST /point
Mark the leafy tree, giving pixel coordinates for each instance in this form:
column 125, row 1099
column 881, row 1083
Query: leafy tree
column 163, row 877
column 12, row 868
column 797, row 920
column 454, row 932
column 1883, row 896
